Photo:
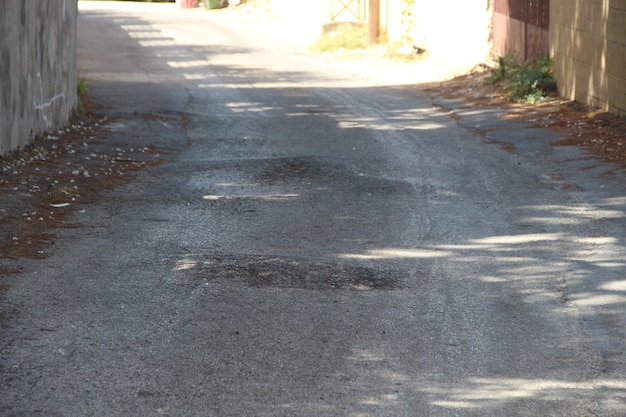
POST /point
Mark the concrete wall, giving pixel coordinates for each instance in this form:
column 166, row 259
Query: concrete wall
column 588, row 45
column 37, row 68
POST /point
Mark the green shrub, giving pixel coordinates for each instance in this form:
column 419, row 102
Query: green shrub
column 529, row 82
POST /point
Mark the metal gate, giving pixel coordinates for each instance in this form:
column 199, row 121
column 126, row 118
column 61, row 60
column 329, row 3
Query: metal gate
column 348, row 10
column 521, row 27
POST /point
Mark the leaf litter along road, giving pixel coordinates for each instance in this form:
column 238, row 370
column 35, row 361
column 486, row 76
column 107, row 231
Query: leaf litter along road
column 60, row 172
column 600, row 133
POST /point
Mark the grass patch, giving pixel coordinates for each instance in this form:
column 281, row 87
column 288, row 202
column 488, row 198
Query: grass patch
column 345, row 36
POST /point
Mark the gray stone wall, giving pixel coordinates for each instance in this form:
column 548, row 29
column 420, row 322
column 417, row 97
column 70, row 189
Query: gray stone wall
column 37, row 68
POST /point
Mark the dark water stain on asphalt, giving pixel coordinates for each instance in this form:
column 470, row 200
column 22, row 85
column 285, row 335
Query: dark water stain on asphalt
column 293, row 169
column 294, row 273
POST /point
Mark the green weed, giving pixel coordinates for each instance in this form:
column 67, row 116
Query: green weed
column 81, row 88
column 499, row 73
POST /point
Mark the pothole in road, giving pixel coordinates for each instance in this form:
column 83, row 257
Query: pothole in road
column 290, row 273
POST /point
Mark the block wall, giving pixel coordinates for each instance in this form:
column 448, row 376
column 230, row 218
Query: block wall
column 588, row 45
column 37, row 68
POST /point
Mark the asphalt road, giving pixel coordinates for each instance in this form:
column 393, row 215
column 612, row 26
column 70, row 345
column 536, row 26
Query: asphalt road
column 323, row 241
